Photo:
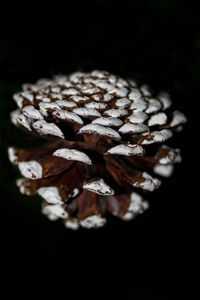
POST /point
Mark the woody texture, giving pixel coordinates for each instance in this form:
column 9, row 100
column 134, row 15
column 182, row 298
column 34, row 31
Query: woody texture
column 106, row 143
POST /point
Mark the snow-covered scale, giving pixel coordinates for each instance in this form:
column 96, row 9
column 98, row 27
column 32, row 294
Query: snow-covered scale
column 86, row 112
column 157, row 137
column 94, row 221
column 173, row 155
column 153, row 106
column 99, row 187
column 73, row 154
column 42, row 127
column 65, row 104
column 14, row 116
column 165, row 100
column 137, row 206
column 178, row 118
column 116, row 113
column 123, row 102
column 157, row 119
column 47, row 107
column 133, row 128
column 12, row 155
column 96, row 105
column 30, row 112
column 24, row 121
column 18, row 99
column 126, row 150
column 99, row 130
column 67, row 115
column 149, row 183
column 109, row 121
column 50, row 194
column 163, row 170
column 138, row 117
column 54, row 212
column 30, row 169
column 72, row 223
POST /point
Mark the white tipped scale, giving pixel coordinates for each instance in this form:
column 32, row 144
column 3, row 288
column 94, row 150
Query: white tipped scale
column 178, row 118
column 126, row 150
column 163, row 170
column 73, row 154
column 68, row 116
column 14, row 116
column 79, row 99
column 105, row 85
column 47, row 107
column 165, row 100
column 56, row 89
column 12, row 156
column 24, row 122
column 149, row 183
column 121, row 83
column 50, row 194
column 88, row 89
column 69, row 92
column 28, row 96
column 153, row 106
column 86, row 112
column 54, row 212
column 116, row 112
column 173, row 156
column 133, row 128
column 98, row 74
column 18, row 99
column 44, row 128
column 135, row 94
column 157, row 119
column 21, row 183
column 112, row 79
column 138, row 117
column 109, row 121
column 99, row 130
column 30, row 169
column 138, row 105
column 145, row 90
column 94, row 221
column 123, row 102
column 72, row 223
column 157, row 137
column 30, row 112
column 97, row 97
column 65, row 104
column 120, row 92
column 55, row 97
column 107, row 97
column 96, row 105
column 137, row 206
column 99, row 187
column 43, row 98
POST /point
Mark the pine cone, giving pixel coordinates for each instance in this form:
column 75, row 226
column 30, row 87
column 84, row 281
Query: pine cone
column 105, row 133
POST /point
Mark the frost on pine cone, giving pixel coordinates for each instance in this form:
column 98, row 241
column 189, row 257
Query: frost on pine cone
column 107, row 139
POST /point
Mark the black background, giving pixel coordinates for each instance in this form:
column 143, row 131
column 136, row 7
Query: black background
column 154, row 42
